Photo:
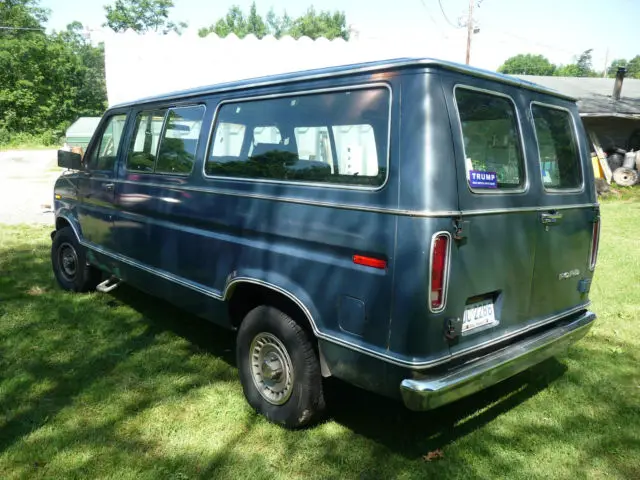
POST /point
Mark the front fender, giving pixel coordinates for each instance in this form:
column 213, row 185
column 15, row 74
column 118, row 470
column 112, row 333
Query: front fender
column 68, row 215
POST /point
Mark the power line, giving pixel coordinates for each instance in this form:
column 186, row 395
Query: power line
column 445, row 15
column 433, row 20
column 21, row 28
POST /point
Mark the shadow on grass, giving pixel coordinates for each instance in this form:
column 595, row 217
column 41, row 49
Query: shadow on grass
column 381, row 419
column 129, row 352
column 413, row 434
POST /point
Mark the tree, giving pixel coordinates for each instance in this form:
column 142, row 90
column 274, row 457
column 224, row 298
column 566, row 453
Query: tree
column 312, row 24
column 581, row 68
column 46, row 81
column 570, row 70
column 255, row 23
column 613, row 68
column 323, row 24
column 633, row 67
column 142, row 16
column 527, row 64
column 278, row 26
column 585, row 64
column 21, row 14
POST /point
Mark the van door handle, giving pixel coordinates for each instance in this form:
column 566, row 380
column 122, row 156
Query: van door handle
column 108, row 186
column 550, row 218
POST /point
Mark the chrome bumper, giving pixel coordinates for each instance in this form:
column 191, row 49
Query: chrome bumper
column 426, row 393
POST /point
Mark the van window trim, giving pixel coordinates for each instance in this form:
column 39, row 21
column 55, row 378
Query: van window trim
column 239, row 99
column 134, row 112
column 574, row 128
column 498, row 191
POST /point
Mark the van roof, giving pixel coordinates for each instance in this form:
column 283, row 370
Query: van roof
column 366, row 67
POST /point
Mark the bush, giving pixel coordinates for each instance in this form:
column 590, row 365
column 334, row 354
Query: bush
column 22, row 140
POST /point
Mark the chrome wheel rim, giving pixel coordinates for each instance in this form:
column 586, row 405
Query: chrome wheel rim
column 68, row 261
column 271, row 368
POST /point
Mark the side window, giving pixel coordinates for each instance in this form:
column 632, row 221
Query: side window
column 559, row 155
column 334, row 137
column 104, row 155
column 180, row 140
column 144, row 143
column 492, row 149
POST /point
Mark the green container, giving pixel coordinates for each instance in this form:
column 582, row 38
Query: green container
column 80, row 132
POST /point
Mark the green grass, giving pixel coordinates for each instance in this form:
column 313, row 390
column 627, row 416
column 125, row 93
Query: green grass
column 125, row 386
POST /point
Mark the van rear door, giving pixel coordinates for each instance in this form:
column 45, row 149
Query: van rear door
column 565, row 247
column 492, row 262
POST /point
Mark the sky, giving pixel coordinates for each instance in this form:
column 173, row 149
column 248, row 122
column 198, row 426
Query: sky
column 557, row 29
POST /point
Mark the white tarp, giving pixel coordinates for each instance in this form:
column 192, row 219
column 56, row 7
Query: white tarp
column 139, row 66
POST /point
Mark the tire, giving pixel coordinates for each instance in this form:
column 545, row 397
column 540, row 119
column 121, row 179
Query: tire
column 69, row 262
column 293, row 398
column 625, row 177
column 615, row 161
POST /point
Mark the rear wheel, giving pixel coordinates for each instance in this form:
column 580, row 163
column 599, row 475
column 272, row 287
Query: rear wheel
column 69, row 263
column 279, row 368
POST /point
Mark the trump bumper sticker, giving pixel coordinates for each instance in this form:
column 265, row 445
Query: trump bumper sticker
column 478, row 179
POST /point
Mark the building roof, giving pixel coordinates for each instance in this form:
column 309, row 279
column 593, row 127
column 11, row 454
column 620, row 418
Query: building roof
column 367, row 67
column 83, row 127
column 594, row 94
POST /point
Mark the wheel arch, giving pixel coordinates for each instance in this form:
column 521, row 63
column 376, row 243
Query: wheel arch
column 65, row 219
column 242, row 294
column 250, row 291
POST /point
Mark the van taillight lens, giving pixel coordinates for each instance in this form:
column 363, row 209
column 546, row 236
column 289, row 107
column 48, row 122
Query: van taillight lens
column 439, row 261
column 595, row 243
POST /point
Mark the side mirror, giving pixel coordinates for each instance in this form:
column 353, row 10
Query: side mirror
column 70, row 160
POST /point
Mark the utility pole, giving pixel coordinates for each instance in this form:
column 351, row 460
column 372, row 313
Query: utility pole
column 469, row 30
column 606, row 63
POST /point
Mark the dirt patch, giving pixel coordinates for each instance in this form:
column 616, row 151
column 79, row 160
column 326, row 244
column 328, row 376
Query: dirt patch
column 26, row 186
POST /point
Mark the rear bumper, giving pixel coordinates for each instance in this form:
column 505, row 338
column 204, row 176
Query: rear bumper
column 429, row 392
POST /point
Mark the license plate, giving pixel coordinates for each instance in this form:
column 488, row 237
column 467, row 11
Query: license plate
column 478, row 315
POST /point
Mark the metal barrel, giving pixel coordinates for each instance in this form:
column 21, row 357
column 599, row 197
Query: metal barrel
column 629, row 160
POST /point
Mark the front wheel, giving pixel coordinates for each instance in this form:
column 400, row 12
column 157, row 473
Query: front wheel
column 279, row 368
column 70, row 264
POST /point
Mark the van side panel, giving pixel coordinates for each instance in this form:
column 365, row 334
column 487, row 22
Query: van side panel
column 298, row 238
column 428, row 187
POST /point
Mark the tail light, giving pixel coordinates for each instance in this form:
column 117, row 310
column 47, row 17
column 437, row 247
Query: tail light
column 439, row 271
column 595, row 243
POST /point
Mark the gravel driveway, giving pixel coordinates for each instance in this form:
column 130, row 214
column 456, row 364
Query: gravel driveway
column 26, row 186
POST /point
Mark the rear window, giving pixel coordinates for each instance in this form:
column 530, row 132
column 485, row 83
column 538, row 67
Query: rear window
column 492, row 149
column 330, row 137
column 559, row 155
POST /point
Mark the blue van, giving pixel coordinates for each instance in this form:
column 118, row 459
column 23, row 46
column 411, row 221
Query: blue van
column 414, row 227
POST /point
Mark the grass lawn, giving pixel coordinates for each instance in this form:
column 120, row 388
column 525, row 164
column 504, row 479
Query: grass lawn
column 125, row 386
